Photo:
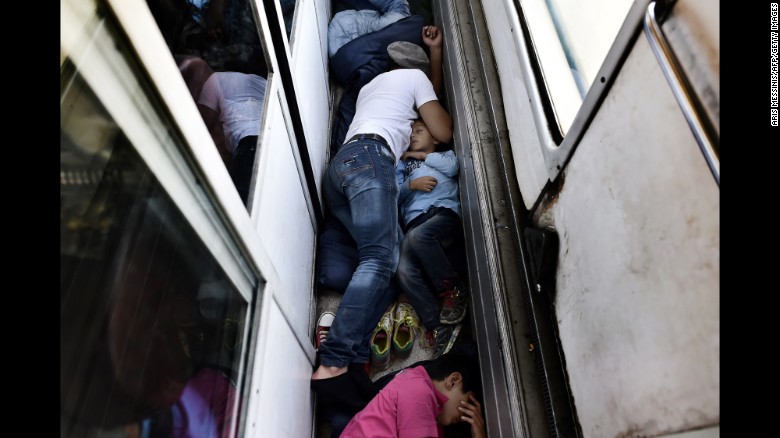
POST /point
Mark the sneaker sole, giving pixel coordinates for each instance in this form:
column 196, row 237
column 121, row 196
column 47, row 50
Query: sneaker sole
column 448, row 322
column 453, row 338
column 381, row 364
column 451, row 341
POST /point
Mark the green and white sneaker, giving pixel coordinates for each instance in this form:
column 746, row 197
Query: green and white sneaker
column 406, row 324
column 381, row 339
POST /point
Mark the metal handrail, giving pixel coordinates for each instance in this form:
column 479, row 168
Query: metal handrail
column 702, row 129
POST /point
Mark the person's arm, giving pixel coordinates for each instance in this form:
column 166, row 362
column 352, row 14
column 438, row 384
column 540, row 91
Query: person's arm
column 214, row 125
column 415, row 410
column 433, row 38
column 417, row 155
column 215, row 19
column 438, row 120
column 444, row 162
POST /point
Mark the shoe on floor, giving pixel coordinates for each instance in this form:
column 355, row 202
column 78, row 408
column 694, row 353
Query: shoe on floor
column 406, row 324
column 382, row 339
column 453, row 309
column 323, row 327
column 444, row 338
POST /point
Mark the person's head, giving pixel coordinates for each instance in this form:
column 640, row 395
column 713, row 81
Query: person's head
column 404, row 54
column 456, row 376
column 195, row 71
column 421, row 139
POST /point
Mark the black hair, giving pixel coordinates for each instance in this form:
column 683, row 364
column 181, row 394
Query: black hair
column 446, row 364
column 441, row 146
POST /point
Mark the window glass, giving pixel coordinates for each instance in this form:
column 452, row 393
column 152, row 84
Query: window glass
column 288, row 13
column 217, row 47
column 571, row 39
column 151, row 328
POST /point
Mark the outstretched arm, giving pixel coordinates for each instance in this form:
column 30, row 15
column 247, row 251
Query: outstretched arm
column 445, row 162
column 433, row 38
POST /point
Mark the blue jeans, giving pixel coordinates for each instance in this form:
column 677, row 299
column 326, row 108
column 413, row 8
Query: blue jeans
column 423, row 258
column 361, row 191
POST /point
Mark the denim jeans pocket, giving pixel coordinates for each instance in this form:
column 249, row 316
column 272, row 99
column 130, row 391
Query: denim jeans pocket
column 355, row 168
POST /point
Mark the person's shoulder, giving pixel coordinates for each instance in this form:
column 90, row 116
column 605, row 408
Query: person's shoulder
column 256, row 78
column 418, row 73
column 415, row 377
column 405, row 72
column 417, row 372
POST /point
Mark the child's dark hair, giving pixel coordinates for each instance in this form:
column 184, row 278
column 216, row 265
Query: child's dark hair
column 441, row 146
column 446, row 364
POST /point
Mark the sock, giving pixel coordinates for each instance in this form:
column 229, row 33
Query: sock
column 340, row 389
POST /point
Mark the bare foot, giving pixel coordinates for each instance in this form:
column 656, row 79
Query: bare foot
column 326, row 372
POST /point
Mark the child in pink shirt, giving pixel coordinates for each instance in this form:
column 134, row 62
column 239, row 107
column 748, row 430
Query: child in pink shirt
column 419, row 401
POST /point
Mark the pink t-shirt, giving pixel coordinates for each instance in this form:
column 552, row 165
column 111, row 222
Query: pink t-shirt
column 405, row 408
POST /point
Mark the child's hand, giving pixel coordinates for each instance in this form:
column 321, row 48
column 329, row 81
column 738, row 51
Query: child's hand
column 472, row 413
column 423, row 183
column 417, row 155
column 432, row 36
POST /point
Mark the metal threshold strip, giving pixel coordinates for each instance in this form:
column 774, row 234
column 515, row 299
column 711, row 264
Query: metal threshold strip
column 525, row 394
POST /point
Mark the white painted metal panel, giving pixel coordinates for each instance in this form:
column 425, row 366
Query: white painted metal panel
column 638, row 278
column 282, row 401
column 323, row 8
column 526, row 149
column 309, row 69
column 283, row 222
column 693, row 30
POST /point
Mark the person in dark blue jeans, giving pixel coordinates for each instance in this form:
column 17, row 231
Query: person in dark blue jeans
column 361, row 192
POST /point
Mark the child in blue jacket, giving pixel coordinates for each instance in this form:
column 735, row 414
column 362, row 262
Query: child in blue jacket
column 430, row 211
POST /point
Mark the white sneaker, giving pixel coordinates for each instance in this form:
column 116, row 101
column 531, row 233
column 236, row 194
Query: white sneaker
column 323, row 327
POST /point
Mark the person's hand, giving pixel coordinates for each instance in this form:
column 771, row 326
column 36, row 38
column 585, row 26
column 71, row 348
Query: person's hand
column 432, row 36
column 417, row 155
column 215, row 19
column 472, row 414
column 423, row 183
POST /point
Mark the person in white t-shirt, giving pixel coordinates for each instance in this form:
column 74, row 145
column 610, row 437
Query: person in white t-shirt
column 231, row 104
column 361, row 191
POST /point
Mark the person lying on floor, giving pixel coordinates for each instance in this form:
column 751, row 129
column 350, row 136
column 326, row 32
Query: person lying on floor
column 361, row 192
column 420, row 400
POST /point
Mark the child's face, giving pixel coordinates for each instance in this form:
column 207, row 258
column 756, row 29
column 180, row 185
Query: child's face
column 450, row 414
column 422, row 139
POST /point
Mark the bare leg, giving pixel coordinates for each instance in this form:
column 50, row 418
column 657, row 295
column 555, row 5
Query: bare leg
column 326, row 372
